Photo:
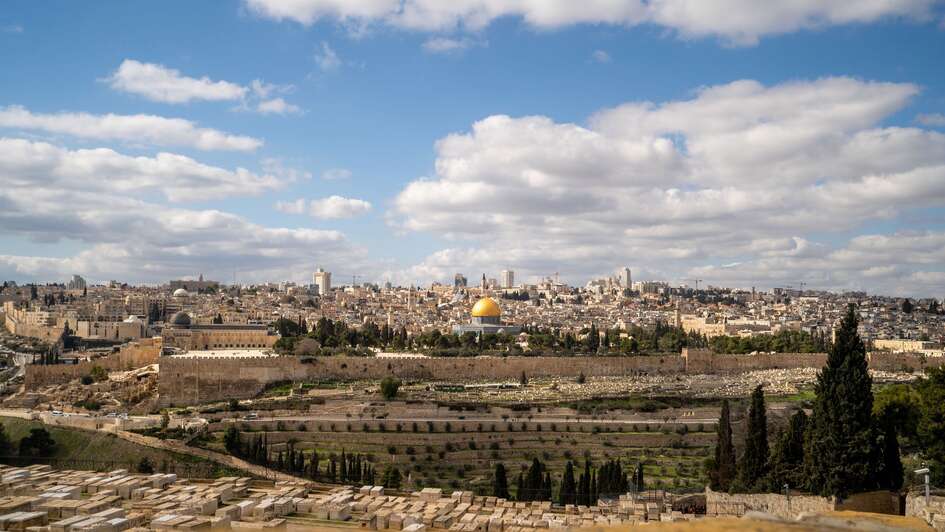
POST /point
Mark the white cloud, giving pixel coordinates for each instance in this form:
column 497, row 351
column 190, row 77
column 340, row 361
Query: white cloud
column 600, row 56
column 162, row 84
column 292, row 207
column 446, row 45
column 140, row 128
column 740, row 175
column 108, row 205
column 326, row 58
column 277, row 106
column 274, row 166
column 931, row 119
column 337, row 207
column 333, row 174
column 330, row 208
column 13, row 28
column 25, row 163
column 735, row 21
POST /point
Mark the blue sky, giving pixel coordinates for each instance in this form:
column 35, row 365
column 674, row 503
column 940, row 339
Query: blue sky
column 685, row 140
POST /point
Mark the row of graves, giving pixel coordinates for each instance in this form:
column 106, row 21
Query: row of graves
column 40, row 499
column 430, row 509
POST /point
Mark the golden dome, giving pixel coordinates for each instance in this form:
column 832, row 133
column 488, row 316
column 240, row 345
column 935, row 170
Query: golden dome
column 486, row 308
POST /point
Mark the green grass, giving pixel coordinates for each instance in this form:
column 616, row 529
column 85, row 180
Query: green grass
column 80, row 449
column 799, row 397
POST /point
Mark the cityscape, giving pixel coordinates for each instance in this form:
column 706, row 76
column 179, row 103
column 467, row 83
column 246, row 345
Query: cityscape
column 490, row 265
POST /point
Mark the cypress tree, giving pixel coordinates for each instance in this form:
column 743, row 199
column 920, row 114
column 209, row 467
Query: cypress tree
column 722, row 470
column 840, row 449
column 500, row 483
column 568, row 488
column 520, row 488
column 638, row 478
column 787, row 460
column 754, row 464
column 892, row 474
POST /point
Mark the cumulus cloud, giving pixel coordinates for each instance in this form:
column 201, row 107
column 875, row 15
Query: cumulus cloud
column 110, row 205
column 737, row 22
column 162, row 84
column 25, row 163
column 739, row 176
column 330, row 208
column 140, row 128
column 277, row 106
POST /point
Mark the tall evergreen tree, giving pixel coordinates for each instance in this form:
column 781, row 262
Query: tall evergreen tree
column 754, row 464
column 520, row 488
column 568, row 490
column 840, row 449
column 500, row 483
column 888, row 445
column 722, row 469
column 787, row 460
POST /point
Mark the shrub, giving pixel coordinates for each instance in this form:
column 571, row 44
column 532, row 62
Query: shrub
column 87, row 379
column 389, row 387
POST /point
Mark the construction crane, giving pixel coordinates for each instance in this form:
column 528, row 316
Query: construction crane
column 697, row 281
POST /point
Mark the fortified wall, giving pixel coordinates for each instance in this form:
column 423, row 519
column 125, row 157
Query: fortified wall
column 132, row 355
column 194, row 380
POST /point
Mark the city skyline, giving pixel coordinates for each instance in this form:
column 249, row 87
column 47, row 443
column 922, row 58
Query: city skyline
column 409, row 141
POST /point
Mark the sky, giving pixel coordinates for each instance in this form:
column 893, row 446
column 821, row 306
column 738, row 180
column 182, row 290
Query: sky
column 408, row 140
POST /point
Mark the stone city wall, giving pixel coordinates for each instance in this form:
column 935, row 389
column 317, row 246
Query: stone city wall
column 191, row 380
column 725, row 504
column 194, row 380
column 705, row 361
column 132, row 355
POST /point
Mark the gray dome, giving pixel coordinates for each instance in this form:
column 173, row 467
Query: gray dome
column 180, row 319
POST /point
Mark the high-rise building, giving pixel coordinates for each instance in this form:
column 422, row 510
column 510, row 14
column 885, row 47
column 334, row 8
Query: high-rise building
column 508, row 278
column 77, row 283
column 322, row 280
column 625, row 280
column 459, row 281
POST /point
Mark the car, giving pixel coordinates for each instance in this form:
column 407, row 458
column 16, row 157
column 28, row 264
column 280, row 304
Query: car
column 250, row 416
column 57, row 413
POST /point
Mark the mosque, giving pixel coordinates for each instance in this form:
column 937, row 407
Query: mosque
column 486, row 319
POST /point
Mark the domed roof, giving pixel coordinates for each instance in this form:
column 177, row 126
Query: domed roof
column 180, row 319
column 180, row 292
column 486, row 308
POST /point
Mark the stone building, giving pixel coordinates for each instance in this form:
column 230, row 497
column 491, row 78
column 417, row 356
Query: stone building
column 181, row 333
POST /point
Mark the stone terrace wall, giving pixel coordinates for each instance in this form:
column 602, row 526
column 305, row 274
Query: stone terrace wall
column 130, row 356
column 723, row 504
column 191, row 380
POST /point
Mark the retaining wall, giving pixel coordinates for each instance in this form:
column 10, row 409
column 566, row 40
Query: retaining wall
column 724, row 504
column 130, row 356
